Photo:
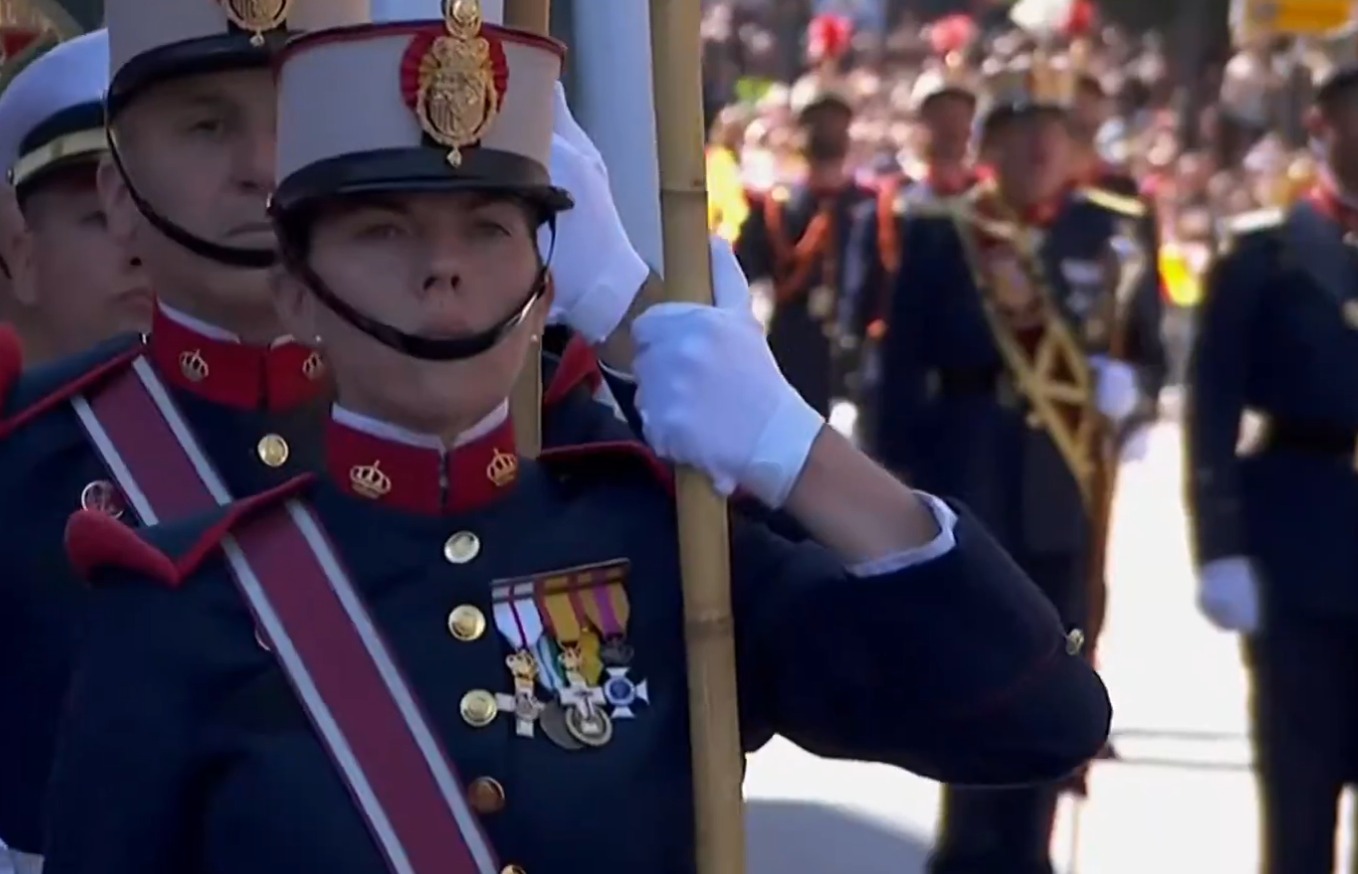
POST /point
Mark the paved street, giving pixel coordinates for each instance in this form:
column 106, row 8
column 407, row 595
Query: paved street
column 1181, row 801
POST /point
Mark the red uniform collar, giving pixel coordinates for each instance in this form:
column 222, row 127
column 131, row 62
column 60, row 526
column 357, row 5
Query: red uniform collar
column 379, row 463
column 1040, row 215
column 1326, row 198
column 278, row 377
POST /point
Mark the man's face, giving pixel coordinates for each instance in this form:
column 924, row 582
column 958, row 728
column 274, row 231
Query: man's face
column 1338, row 134
column 947, row 123
column 80, row 283
column 1033, row 155
column 200, row 150
column 434, row 265
column 827, row 132
column 1088, row 114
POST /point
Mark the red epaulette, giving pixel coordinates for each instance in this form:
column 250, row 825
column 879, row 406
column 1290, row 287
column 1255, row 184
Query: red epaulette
column 96, row 541
column 11, row 368
column 579, row 366
column 609, row 455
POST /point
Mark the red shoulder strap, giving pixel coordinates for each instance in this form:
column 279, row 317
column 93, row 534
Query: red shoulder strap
column 314, row 620
column 11, row 361
column 13, row 358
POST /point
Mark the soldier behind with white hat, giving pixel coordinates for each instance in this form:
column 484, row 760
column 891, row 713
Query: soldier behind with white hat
column 68, row 284
column 192, row 105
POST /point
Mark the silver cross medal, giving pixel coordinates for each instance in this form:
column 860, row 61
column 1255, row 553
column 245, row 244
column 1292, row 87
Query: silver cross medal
column 524, row 704
column 526, row 709
column 586, row 720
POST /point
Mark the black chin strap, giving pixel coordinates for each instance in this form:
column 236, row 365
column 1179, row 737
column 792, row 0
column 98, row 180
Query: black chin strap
column 246, row 259
column 414, row 345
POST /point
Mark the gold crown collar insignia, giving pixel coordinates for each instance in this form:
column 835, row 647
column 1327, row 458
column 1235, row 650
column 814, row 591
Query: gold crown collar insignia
column 369, row 480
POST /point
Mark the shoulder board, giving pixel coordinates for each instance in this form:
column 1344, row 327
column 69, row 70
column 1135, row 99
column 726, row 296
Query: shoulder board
column 1252, row 222
column 608, row 457
column 576, row 367
column 166, row 554
column 1122, row 204
column 32, row 394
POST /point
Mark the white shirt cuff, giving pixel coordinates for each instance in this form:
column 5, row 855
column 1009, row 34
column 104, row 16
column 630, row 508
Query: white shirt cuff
column 899, row 561
column 619, row 375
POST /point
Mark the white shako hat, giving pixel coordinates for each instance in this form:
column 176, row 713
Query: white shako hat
column 52, row 112
column 438, row 105
column 154, row 40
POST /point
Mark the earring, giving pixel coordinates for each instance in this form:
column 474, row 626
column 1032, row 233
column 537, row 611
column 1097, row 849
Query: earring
column 533, row 338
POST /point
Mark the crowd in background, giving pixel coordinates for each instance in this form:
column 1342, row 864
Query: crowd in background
column 1243, row 148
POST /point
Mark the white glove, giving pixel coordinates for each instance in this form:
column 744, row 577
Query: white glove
column 1116, row 389
column 1228, row 594
column 596, row 272
column 1135, row 445
column 711, row 396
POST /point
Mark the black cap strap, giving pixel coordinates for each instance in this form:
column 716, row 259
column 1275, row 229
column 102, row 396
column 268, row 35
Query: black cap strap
column 425, row 348
column 232, row 256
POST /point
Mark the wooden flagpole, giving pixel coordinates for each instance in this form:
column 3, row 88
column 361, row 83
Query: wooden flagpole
column 525, row 403
column 676, row 52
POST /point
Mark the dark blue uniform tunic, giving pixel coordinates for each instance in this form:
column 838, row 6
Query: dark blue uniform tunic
column 796, row 237
column 186, row 751
column 951, row 417
column 1278, row 339
column 46, row 463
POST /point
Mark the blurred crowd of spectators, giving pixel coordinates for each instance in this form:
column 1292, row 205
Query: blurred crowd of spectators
column 1241, row 149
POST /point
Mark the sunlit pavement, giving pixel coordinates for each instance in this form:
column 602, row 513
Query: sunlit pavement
column 1182, row 798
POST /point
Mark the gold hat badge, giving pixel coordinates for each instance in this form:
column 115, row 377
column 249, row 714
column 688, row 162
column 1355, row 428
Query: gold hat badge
column 257, row 16
column 455, row 81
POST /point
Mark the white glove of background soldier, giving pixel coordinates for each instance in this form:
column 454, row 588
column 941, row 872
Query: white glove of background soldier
column 1228, row 594
column 711, row 396
column 1116, row 388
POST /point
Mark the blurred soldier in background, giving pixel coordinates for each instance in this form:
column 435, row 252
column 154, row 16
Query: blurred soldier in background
column 1273, row 522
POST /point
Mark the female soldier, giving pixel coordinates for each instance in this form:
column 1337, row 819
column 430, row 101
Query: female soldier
column 440, row 606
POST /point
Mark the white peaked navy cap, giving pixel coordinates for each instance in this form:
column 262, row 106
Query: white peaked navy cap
column 52, row 112
column 154, row 40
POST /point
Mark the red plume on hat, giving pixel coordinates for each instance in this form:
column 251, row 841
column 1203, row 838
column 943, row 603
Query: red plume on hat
column 1083, row 19
column 952, row 33
column 828, row 36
